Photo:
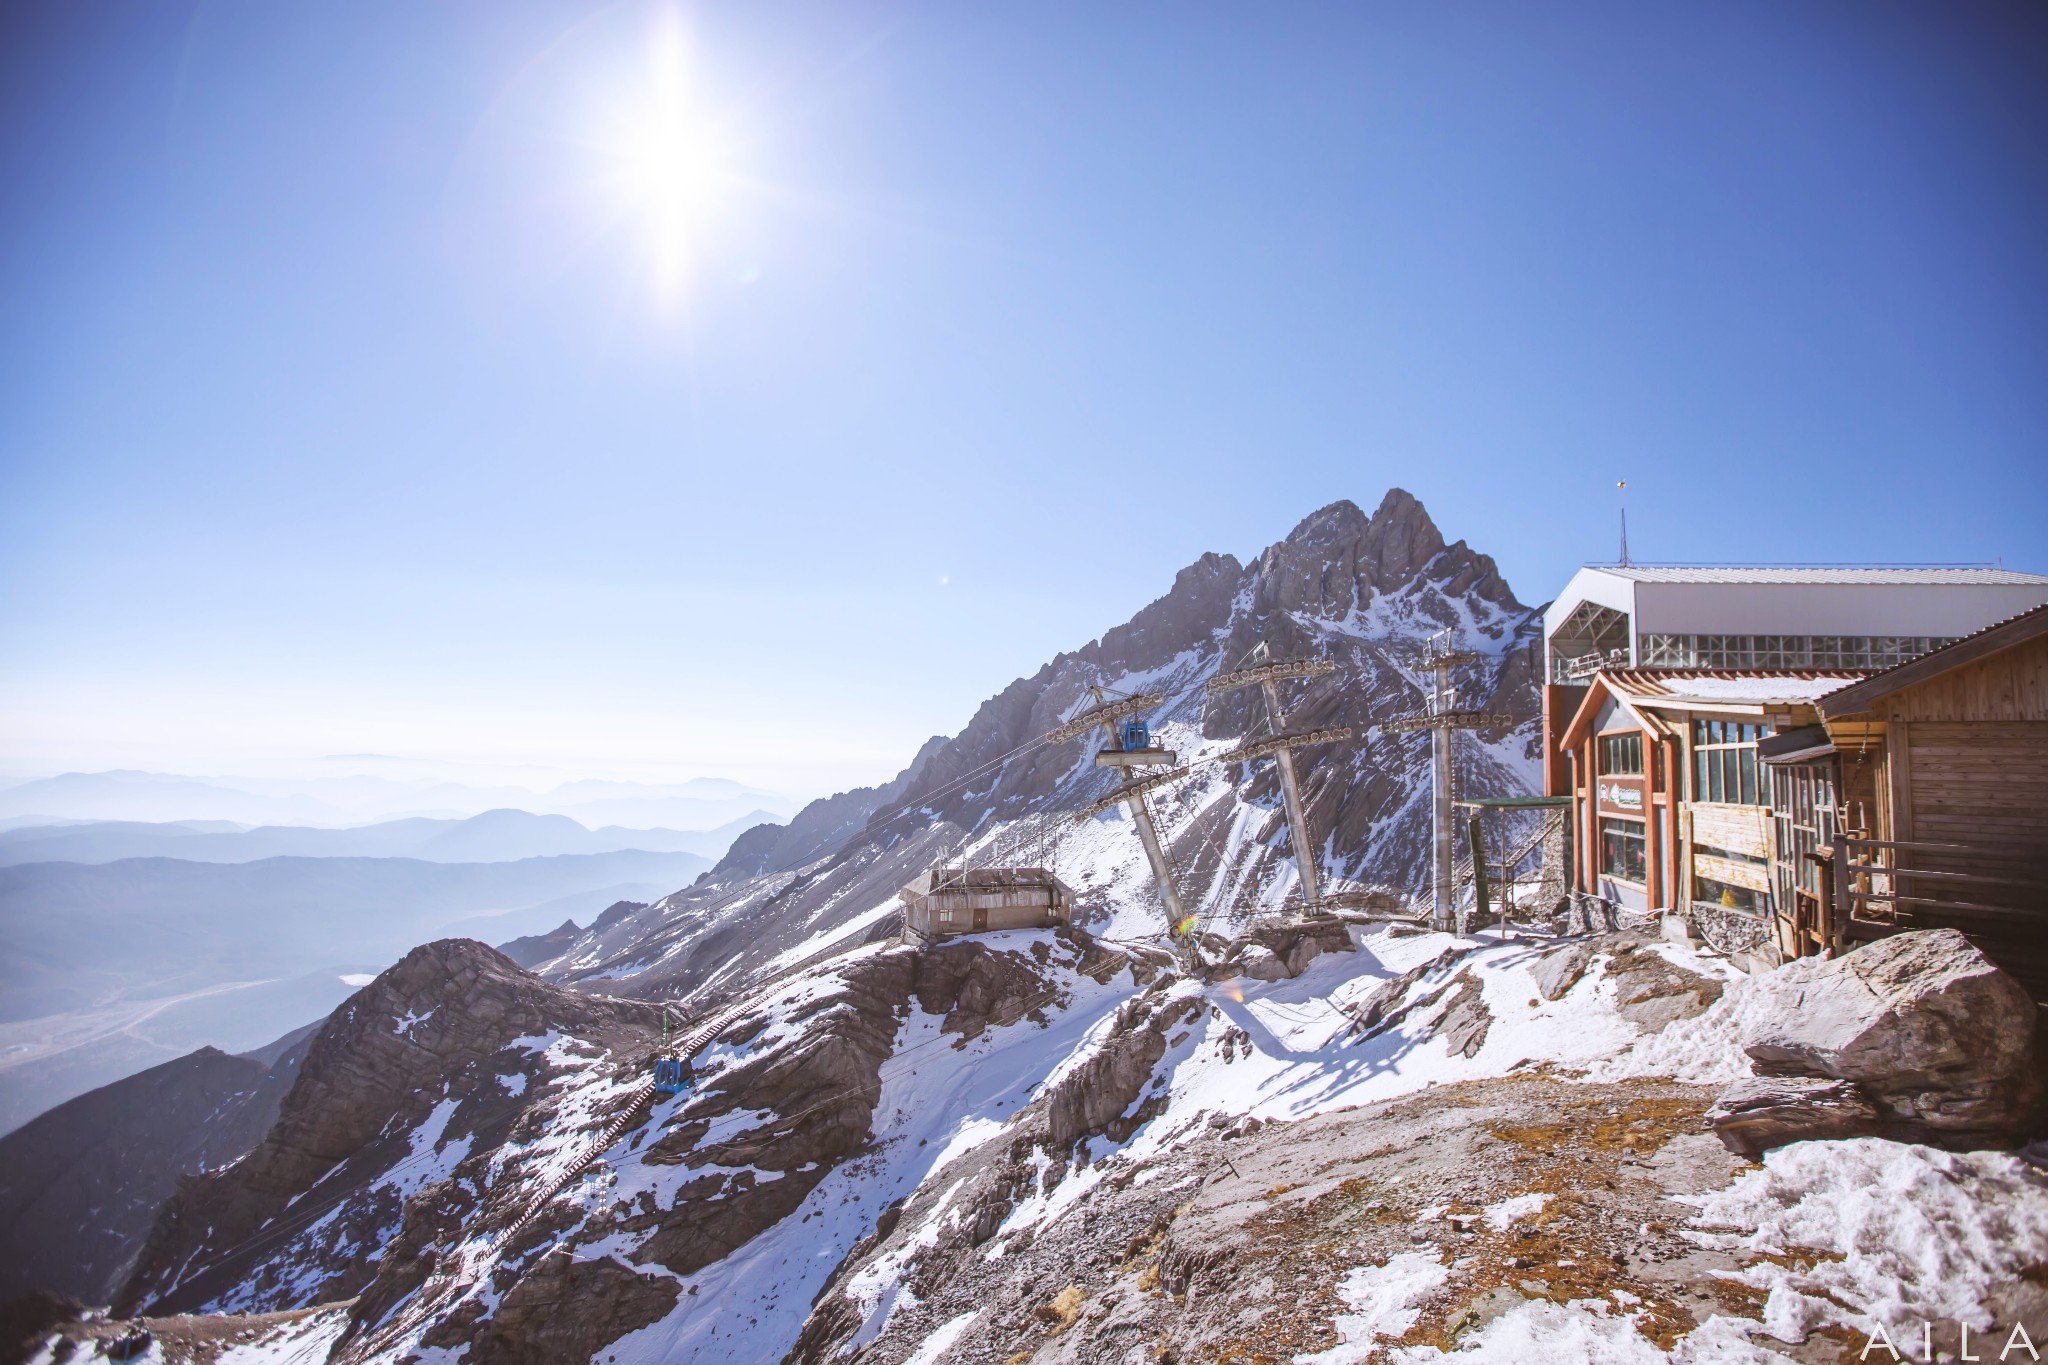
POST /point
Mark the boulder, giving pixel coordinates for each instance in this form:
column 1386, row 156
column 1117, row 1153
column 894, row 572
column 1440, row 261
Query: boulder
column 1651, row 992
column 1932, row 1032
column 1754, row 1116
column 1559, row 968
column 1280, row 950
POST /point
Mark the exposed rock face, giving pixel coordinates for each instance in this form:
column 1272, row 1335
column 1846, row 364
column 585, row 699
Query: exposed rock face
column 1936, row 1036
column 1652, row 991
column 1753, row 1116
column 1104, row 1096
column 1559, row 969
column 785, row 1094
column 1279, row 951
column 435, row 1029
column 567, row 1310
column 1365, row 592
column 822, row 827
column 1096, row 1097
column 1453, row 1008
column 534, row 949
column 816, row 1100
column 80, row 1185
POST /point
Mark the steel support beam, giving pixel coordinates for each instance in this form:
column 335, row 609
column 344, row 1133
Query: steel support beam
column 1443, row 864
column 1136, row 758
column 1290, row 789
column 1132, row 793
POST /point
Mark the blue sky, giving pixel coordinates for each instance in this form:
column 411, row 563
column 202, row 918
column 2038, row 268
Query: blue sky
column 752, row 389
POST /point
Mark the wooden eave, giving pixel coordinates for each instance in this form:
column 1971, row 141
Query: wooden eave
column 1589, row 707
column 1857, row 698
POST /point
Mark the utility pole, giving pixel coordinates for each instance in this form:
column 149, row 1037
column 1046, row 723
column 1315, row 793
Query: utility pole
column 1267, row 676
column 1440, row 718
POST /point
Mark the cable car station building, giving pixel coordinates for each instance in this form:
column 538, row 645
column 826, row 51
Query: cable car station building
column 943, row 901
column 1670, row 706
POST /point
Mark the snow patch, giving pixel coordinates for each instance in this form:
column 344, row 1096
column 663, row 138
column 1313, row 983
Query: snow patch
column 939, row 1342
column 1500, row 1217
column 1920, row 1234
column 1384, row 1300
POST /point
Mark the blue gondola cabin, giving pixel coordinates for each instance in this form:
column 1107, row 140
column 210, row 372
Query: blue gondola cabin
column 671, row 1076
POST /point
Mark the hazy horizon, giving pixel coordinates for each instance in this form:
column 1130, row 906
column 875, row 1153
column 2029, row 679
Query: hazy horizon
column 658, row 389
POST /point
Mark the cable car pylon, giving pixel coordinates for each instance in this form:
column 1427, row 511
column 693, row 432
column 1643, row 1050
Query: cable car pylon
column 1442, row 716
column 1131, row 747
column 1267, row 675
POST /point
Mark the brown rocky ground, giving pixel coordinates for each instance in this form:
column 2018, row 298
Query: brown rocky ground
column 199, row 1340
column 1231, row 1249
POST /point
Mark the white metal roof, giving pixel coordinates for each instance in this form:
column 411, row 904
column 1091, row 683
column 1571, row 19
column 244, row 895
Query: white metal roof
column 1760, row 687
column 1706, row 600
column 1709, row 574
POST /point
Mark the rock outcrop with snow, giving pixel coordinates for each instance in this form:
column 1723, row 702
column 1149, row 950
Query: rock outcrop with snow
column 1935, row 1038
column 445, row 1053
column 1327, row 1140
column 1367, row 593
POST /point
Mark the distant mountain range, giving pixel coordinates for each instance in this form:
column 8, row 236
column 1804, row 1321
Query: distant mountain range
column 414, row 1159
column 109, row 968
column 492, row 837
column 361, row 798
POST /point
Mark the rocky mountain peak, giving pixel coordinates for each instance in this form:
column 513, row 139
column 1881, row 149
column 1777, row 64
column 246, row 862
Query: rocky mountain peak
column 437, row 1026
column 1337, row 558
column 1399, row 541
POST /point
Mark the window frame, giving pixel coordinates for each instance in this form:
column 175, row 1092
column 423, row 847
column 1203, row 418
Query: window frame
column 1610, row 826
column 1625, row 745
column 1725, row 768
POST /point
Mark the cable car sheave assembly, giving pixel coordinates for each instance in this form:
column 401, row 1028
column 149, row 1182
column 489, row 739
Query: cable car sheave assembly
column 1441, row 716
column 1147, row 765
column 1267, row 675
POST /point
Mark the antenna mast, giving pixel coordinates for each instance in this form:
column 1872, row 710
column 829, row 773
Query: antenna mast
column 1622, row 497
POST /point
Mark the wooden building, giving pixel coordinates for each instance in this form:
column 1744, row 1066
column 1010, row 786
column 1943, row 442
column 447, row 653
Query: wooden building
column 1675, row 810
column 947, row 901
column 1954, row 746
column 1766, row 620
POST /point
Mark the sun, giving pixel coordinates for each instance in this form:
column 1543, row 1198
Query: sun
column 664, row 161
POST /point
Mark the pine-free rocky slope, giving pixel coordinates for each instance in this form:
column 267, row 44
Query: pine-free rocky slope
column 1039, row 1144
column 1065, row 1145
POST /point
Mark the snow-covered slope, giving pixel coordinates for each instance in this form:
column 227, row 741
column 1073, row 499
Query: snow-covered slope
column 1036, row 1145
column 1366, row 593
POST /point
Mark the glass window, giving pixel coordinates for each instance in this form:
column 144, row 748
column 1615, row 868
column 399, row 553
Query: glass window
column 1621, row 755
column 1725, row 763
column 1621, row 850
column 1783, row 651
column 1707, row 891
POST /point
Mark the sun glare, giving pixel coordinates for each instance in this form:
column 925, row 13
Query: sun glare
column 664, row 162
